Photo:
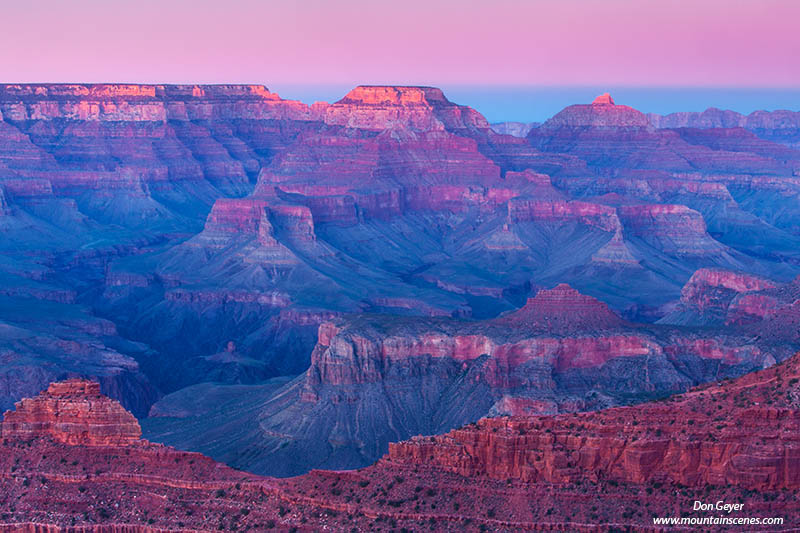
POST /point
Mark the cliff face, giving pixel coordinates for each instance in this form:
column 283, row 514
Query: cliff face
column 713, row 296
column 91, row 174
column 735, row 433
column 418, row 108
column 72, row 460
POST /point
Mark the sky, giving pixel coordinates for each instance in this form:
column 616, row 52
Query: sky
column 498, row 45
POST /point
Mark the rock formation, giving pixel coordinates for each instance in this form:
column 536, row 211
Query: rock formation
column 563, row 310
column 734, row 433
column 72, row 412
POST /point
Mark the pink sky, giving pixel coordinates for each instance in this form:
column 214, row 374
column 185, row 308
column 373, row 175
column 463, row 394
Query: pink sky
column 493, row 42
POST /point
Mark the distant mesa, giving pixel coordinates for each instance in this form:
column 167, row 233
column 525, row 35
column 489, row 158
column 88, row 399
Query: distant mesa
column 420, row 109
column 393, row 95
column 603, row 112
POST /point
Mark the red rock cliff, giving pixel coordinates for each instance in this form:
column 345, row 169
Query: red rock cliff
column 740, row 433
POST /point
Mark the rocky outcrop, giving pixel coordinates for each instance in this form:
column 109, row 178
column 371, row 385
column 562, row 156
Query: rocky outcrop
column 675, row 229
column 732, row 441
column 735, row 434
column 597, row 215
column 707, row 296
column 714, row 297
column 72, row 412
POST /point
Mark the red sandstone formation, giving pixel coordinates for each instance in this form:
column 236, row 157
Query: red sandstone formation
column 377, row 379
column 700, row 291
column 72, row 412
column 714, row 296
column 729, row 434
column 600, row 216
column 417, row 108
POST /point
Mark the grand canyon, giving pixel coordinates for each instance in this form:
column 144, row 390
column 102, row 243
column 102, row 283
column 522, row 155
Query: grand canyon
column 224, row 309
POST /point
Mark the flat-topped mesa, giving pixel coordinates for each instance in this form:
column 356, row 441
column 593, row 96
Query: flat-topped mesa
column 541, row 209
column 380, row 107
column 148, row 103
column 601, row 113
column 382, row 95
column 673, row 228
column 72, row 412
column 563, row 309
column 114, row 91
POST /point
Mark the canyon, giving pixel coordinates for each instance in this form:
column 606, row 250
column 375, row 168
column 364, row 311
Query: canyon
column 333, row 278
column 72, row 460
column 374, row 380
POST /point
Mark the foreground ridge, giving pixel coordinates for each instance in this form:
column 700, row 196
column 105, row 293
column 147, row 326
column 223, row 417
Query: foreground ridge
column 598, row 471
